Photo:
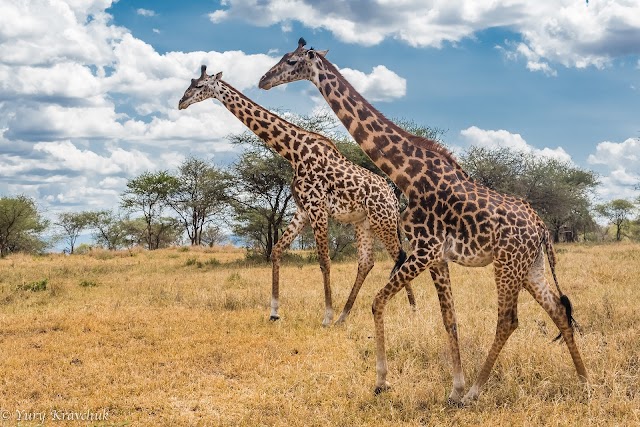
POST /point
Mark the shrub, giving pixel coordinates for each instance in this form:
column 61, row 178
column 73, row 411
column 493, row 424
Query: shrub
column 37, row 286
column 88, row 284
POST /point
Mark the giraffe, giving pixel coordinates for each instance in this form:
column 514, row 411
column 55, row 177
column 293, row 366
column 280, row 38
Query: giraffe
column 325, row 184
column 449, row 218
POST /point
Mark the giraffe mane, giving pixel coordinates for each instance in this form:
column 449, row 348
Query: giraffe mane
column 419, row 141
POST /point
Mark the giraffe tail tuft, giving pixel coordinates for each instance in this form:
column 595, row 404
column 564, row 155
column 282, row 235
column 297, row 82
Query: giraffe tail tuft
column 402, row 257
column 564, row 300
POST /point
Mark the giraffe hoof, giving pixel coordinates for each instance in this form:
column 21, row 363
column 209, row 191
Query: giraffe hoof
column 381, row 389
column 341, row 320
column 273, row 318
column 455, row 403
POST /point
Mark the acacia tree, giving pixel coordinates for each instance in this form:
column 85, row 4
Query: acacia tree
column 558, row 191
column 617, row 212
column 261, row 198
column 109, row 229
column 199, row 196
column 72, row 224
column 20, row 225
column 148, row 194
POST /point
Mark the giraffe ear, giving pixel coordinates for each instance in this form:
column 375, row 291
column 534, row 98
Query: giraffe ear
column 312, row 53
column 219, row 75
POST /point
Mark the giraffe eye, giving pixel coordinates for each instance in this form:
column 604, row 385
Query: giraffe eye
column 292, row 62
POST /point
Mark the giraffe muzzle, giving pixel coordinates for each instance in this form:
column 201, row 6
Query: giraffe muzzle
column 264, row 84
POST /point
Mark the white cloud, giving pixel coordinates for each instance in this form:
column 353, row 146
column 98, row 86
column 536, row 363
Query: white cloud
column 613, row 154
column 566, row 32
column 65, row 154
column 43, row 32
column 145, row 12
column 381, row 84
column 619, row 164
column 505, row 139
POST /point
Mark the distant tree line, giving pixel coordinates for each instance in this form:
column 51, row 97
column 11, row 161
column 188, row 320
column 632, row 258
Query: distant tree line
column 203, row 204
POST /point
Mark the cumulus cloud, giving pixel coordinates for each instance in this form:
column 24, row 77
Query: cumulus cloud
column 381, row 84
column 66, row 155
column 619, row 163
column 566, row 32
column 84, row 105
column 613, row 154
column 505, row 139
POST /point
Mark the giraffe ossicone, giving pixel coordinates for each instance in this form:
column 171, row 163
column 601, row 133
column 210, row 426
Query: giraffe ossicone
column 325, row 184
column 449, row 218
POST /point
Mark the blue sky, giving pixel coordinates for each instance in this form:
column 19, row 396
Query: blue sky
column 89, row 89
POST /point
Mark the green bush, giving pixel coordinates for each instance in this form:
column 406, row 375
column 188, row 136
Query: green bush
column 37, row 286
column 88, row 284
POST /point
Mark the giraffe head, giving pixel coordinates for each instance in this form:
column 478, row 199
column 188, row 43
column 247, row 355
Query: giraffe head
column 297, row 65
column 204, row 87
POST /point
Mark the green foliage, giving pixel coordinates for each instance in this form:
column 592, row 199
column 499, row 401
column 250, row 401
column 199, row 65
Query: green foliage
column 36, row 286
column 148, row 193
column 88, row 284
column 261, row 198
column 21, row 224
column 109, row 228
column 618, row 213
column 199, row 196
column 72, row 224
column 559, row 191
column 212, row 262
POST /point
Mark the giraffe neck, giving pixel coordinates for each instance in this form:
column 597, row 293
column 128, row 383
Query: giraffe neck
column 389, row 146
column 277, row 133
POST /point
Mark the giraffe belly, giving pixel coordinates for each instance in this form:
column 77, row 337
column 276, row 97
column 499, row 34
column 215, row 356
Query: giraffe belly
column 346, row 212
column 349, row 217
column 463, row 253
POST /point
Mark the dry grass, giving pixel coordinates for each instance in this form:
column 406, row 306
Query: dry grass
column 171, row 338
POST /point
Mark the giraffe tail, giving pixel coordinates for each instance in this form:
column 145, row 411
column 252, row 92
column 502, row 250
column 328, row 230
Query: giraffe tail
column 402, row 255
column 564, row 300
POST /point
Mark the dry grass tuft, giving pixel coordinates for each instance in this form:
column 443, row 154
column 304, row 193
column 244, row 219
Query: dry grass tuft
column 173, row 338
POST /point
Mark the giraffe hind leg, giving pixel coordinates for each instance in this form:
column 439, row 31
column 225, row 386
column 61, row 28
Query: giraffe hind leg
column 558, row 308
column 442, row 282
column 293, row 229
column 364, row 239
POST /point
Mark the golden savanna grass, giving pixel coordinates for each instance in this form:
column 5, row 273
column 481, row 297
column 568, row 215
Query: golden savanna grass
column 182, row 338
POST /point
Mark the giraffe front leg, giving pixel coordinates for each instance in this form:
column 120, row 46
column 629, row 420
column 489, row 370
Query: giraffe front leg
column 364, row 239
column 293, row 229
column 508, row 289
column 411, row 268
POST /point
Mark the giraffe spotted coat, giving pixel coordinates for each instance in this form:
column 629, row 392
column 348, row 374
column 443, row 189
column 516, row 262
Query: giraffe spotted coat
column 325, row 184
column 449, row 218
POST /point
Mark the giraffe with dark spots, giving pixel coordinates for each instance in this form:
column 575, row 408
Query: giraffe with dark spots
column 449, row 218
column 362, row 198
